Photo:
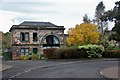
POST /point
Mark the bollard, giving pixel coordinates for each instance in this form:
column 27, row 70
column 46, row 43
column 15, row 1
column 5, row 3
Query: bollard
column 46, row 59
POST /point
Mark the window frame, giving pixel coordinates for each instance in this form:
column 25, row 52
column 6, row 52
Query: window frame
column 21, row 36
column 36, row 38
column 24, row 51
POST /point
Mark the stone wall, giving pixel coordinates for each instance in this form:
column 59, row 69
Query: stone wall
column 41, row 34
column 17, row 44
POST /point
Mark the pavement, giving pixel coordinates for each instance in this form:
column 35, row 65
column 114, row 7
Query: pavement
column 4, row 67
column 111, row 72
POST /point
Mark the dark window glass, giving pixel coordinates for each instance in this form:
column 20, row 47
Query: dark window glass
column 35, row 37
column 50, row 41
column 24, row 36
column 35, row 50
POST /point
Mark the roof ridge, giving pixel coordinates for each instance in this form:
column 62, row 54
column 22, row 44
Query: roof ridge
column 33, row 23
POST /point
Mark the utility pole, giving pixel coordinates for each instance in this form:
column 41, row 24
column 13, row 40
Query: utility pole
column 38, row 43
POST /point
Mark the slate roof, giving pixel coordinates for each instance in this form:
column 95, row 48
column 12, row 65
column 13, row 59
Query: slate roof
column 35, row 25
column 43, row 24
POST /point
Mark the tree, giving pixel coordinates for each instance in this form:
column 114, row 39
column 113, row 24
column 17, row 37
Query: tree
column 114, row 15
column 99, row 13
column 85, row 33
column 86, row 19
column 6, row 40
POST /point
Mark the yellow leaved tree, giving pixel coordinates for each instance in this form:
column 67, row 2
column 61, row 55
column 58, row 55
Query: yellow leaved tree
column 85, row 33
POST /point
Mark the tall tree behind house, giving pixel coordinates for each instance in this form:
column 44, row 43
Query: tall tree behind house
column 114, row 15
column 99, row 12
column 86, row 19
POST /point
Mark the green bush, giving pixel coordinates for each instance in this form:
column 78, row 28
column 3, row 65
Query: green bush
column 23, row 57
column 70, row 53
column 7, row 56
column 91, row 51
column 34, row 56
column 42, row 56
column 111, row 54
column 29, row 57
column 112, row 47
column 94, row 51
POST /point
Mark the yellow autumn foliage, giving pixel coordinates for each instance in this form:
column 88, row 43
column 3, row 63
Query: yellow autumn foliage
column 85, row 33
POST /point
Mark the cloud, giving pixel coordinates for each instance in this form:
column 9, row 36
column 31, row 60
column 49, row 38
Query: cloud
column 28, row 7
column 60, row 12
column 6, row 19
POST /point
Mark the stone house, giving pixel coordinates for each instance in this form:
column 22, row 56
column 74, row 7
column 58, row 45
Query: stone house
column 32, row 37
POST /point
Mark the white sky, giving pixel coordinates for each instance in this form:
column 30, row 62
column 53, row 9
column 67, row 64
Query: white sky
column 66, row 13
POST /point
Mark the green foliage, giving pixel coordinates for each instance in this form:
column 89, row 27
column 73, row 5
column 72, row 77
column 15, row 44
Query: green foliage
column 42, row 56
column 34, row 56
column 114, row 15
column 112, row 47
column 7, row 56
column 94, row 51
column 23, row 57
column 99, row 13
column 86, row 19
column 86, row 51
column 114, row 37
column 100, row 7
column 103, row 41
column 6, row 40
column 29, row 57
column 116, row 28
column 70, row 53
column 111, row 54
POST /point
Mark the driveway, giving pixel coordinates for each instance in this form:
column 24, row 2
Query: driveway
column 57, row 68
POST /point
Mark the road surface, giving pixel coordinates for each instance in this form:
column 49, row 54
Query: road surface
column 72, row 70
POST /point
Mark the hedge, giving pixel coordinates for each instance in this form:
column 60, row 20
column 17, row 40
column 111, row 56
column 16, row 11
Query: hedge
column 86, row 51
column 111, row 54
column 49, row 53
column 7, row 55
column 65, row 53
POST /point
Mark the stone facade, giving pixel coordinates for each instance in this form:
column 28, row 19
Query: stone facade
column 42, row 30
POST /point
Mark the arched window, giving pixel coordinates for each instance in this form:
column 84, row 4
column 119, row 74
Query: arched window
column 50, row 41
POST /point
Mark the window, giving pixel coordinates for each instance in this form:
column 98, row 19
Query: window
column 56, row 41
column 52, row 39
column 49, row 39
column 35, row 37
column 24, row 36
column 24, row 51
column 35, row 50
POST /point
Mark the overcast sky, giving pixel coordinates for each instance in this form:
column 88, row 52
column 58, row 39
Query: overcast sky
column 66, row 13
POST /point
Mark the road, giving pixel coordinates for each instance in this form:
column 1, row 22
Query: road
column 73, row 70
